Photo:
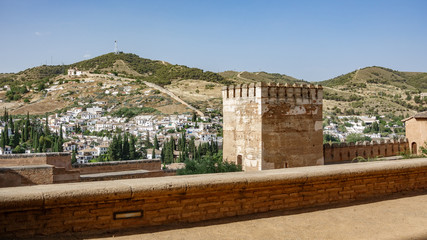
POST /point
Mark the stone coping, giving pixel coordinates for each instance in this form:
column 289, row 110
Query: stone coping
column 41, row 166
column 82, row 165
column 113, row 174
column 68, row 194
column 32, row 155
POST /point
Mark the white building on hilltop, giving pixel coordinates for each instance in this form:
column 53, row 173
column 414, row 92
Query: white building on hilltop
column 74, row 72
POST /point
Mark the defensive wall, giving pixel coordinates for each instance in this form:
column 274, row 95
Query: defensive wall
column 116, row 166
column 136, row 203
column 346, row 152
column 58, row 159
column 48, row 168
column 36, row 168
column 270, row 126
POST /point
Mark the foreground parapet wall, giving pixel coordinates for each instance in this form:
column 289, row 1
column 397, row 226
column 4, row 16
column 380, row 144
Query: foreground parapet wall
column 345, row 152
column 136, row 203
column 271, row 126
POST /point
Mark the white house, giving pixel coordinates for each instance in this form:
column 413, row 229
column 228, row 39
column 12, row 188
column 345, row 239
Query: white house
column 6, row 150
column 101, row 149
column 74, row 72
column 157, row 153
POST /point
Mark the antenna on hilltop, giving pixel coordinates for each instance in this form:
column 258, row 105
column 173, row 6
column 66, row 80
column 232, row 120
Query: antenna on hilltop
column 116, row 49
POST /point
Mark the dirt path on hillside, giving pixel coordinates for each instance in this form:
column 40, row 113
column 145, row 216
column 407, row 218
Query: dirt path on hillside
column 172, row 95
column 155, row 86
column 246, row 79
column 338, row 90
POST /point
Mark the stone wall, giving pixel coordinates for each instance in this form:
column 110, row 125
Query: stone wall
column 273, row 126
column 136, row 203
column 58, row 159
column 26, row 175
column 116, row 166
column 346, row 152
column 126, row 175
column 416, row 132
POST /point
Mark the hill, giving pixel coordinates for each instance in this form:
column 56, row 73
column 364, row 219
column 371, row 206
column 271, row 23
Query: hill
column 380, row 75
column 118, row 80
column 376, row 90
column 133, row 66
column 250, row 77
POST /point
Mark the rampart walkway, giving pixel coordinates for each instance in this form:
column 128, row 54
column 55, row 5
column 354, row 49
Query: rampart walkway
column 399, row 218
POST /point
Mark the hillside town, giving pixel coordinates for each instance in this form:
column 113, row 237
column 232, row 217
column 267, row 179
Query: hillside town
column 88, row 131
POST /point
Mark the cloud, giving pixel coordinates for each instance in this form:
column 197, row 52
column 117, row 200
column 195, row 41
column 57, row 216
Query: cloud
column 87, row 55
column 38, row 33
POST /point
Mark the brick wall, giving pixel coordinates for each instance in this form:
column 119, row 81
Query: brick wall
column 57, row 159
column 26, row 175
column 49, row 209
column 346, row 152
column 116, row 166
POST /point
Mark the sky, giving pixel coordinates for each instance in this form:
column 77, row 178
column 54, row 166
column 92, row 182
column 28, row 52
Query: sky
column 310, row 40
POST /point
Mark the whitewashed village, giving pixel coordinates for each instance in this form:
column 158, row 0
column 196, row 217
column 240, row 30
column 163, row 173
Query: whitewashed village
column 88, row 130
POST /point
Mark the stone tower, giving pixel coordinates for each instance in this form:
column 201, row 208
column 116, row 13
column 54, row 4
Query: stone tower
column 269, row 126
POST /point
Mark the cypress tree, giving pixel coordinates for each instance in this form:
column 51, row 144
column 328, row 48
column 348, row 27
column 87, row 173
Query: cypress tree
column 46, row 127
column 60, row 140
column 56, row 145
column 173, row 147
column 162, row 154
column 119, row 147
column 153, row 153
column 73, row 157
column 147, row 140
column 113, row 149
column 15, row 139
column 125, row 149
column 132, row 150
column 156, row 142
column 194, row 118
column 3, row 140
column 26, row 128
column 35, row 142
column 6, row 131
column 44, row 144
column 5, row 115
column 12, row 126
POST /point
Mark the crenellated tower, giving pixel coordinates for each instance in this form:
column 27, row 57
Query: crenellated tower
column 269, row 126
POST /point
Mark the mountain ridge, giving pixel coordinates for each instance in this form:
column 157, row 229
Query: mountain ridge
column 369, row 90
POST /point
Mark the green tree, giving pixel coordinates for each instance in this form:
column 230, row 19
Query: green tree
column 194, row 117
column 132, row 148
column 15, row 139
column 73, row 157
column 327, row 138
column 6, row 131
column 3, row 140
column 355, row 137
column 208, row 164
column 125, row 148
column 156, row 142
column 60, row 140
column 46, row 127
column 147, row 142
column 153, row 153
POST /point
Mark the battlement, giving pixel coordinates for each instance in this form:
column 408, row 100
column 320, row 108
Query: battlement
column 365, row 143
column 287, row 92
column 345, row 152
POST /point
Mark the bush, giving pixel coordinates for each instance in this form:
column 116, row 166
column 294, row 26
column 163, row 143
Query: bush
column 208, row 164
column 132, row 112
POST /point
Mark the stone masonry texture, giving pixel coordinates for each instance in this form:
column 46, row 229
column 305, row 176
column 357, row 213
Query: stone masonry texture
column 273, row 126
